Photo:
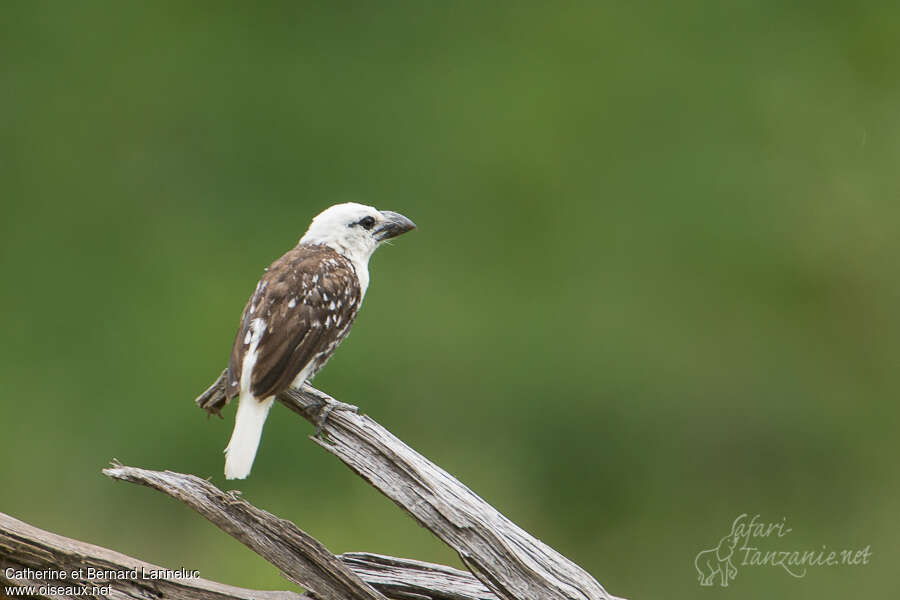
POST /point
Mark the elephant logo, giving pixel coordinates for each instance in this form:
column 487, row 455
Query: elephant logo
column 717, row 561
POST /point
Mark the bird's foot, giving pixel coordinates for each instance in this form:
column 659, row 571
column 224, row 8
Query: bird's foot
column 329, row 407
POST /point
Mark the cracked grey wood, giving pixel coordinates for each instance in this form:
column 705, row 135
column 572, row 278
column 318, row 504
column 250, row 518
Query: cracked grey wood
column 509, row 561
column 23, row 546
column 402, row 578
column 302, row 558
column 505, row 558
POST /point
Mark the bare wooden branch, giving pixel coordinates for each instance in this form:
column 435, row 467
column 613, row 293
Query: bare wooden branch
column 213, row 399
column 24, row 547
column 509, row 561
column 402, row 578
column 302, row 558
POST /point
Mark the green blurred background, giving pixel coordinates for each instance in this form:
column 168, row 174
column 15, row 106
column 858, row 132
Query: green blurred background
column 654, row 284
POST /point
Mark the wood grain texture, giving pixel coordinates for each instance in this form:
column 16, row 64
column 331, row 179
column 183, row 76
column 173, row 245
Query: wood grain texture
column 23, row 546
column 402, row 578
column 513, row 564
column 302, row 558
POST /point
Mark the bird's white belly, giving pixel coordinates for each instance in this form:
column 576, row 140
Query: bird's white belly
column 304, row 374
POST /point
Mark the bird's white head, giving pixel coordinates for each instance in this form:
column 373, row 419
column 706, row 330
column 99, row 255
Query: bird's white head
column 355, row 230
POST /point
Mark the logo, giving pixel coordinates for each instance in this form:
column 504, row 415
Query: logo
column 756, row 543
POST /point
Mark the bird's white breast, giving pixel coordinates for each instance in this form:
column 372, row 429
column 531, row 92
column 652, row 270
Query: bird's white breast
column 362, row 273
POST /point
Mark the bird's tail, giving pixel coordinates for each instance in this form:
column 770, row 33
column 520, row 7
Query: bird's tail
column 248, row 426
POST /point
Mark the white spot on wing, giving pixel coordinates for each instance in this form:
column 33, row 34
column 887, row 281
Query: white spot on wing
column 292, row 303
column 257, row 327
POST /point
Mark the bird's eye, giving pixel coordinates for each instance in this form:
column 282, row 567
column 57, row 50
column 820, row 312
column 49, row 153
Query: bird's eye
column 367, row 222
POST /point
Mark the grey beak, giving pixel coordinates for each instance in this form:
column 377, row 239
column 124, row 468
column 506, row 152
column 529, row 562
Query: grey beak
column 393, row 225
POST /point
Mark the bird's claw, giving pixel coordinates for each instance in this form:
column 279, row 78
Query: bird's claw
column 329, row 407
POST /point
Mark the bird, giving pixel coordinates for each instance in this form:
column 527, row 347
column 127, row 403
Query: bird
column 303, row 307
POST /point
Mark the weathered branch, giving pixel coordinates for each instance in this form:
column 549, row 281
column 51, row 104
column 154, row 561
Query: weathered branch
column 508, row 560
column 300, row 557
column 23, row 546
column 413, row 579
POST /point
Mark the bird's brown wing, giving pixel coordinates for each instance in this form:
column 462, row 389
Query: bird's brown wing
column 306, row 301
